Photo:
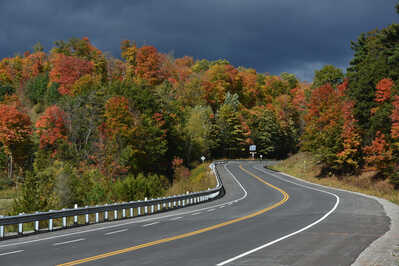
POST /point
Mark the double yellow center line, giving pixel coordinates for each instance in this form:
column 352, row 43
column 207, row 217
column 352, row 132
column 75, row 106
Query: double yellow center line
column 203, row 230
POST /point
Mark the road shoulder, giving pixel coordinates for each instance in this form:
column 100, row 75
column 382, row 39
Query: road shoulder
column 385, row 250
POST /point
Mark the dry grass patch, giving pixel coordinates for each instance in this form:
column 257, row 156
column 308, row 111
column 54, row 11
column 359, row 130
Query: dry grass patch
column 303, row 165
column 201, row 178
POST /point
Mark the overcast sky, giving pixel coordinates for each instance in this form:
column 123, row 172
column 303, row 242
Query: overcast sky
column 273, row 36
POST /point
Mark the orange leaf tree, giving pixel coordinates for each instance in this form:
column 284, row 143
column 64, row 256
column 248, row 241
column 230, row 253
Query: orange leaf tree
column 378, row 155
column 15, row 131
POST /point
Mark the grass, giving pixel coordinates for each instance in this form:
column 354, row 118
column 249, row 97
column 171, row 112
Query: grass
column 201, row 178
column 304, row 166
column 7, row 196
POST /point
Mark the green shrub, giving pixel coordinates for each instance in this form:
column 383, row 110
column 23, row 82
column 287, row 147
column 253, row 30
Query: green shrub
column 5, row 90
column 38, row 90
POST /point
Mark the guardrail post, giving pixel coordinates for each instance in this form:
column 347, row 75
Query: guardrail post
column 123, row 213
column 152, row 208
column 97, row 217
column 64, row 221
column 87, row 217
column 20, row 227
column 1, row 229
column 159, row 206
column 106, row 214
column 36, row 224
column 131, row 212
column 75, row 218
column 145, row 207
column 115, row 214
column 50, row 223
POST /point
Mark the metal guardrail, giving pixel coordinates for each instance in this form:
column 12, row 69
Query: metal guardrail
column 134, row 209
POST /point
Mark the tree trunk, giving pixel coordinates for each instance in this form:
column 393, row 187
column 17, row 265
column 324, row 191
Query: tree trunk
column 10, row 168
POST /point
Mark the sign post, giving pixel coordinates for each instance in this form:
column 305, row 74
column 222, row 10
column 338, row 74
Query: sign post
column 261, row 156
column 203, row 158
column 252, row 150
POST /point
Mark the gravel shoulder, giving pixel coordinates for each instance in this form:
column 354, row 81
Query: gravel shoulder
column 385, row 250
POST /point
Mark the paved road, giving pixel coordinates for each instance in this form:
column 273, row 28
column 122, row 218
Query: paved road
column 265, row 218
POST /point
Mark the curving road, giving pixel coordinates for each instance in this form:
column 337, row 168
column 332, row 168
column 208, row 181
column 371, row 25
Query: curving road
column 265, row 218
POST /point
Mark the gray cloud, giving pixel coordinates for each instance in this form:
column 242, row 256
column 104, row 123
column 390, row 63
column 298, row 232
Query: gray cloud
column 271, row 36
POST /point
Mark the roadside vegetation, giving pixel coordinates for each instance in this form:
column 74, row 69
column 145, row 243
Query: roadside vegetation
column 200, row 178
column 303, row 165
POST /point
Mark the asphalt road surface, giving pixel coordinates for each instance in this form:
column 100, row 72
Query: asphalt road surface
column 265, row 218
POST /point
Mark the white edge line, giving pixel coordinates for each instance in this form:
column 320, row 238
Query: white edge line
column 115, row 232
column 196, row 213
column 68, row 242
column 176, row 218
column 11, row 252
column 289, row 235
column 134, row 221
column 145, row 225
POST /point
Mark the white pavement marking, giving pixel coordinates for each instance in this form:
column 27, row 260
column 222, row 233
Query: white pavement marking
column 11, row 252
column 291, row 234
column 115, row 232
column 196, row 213
column 222, row 206
column 176, row 218
column 130, row 222
column 68, row 242
column 150, row 224
column 211, row 210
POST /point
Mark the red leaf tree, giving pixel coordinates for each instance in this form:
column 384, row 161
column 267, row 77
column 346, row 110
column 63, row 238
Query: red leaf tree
column 148, row 65
column 378, row 155
column 67, row 70
column 383, row 90
column 51, row 127
column 395, row 118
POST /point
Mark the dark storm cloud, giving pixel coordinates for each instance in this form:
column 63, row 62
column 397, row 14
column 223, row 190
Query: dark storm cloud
column 274, row 36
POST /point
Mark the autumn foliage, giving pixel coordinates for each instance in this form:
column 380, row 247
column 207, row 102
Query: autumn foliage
column 67, row 70
column 15, row 126
column 107, row 127
column 395, row 118
column 378, row 155
column 383, row 92
column 51, row 127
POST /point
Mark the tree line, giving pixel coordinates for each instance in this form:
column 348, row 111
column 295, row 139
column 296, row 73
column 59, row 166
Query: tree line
column 80, row 126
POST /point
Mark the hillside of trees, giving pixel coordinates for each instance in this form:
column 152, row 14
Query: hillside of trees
column 80, row 126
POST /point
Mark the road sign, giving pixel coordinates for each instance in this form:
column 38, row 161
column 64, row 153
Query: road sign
column 261, row 156
column 203, row 158
column 252, row 148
